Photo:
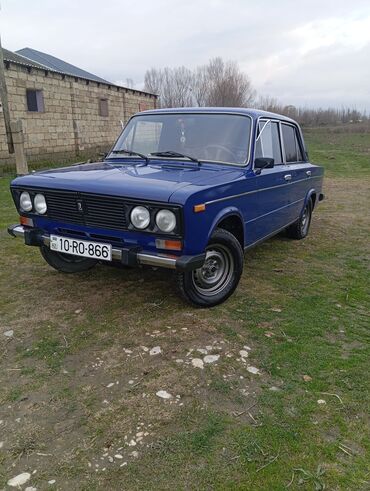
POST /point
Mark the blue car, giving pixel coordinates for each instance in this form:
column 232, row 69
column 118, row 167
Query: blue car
column 187, row 189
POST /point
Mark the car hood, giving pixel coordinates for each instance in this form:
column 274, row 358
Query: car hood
column 157, row 181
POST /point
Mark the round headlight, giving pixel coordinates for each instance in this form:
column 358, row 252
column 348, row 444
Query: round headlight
column 25, row 201
column 40, row 204
column 140, row 217
column 166, row 220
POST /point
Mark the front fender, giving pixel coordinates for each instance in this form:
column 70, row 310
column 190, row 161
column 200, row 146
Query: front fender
column 221, row 215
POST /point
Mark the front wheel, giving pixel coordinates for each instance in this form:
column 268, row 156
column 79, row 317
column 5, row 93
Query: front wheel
column 66, row 263
column 217, row 279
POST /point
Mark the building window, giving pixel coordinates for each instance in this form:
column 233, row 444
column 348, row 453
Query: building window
column 103, row 107
column 35, row 100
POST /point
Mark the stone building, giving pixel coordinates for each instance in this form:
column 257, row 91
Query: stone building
column 65, row 111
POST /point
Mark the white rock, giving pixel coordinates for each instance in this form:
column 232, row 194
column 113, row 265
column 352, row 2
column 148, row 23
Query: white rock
column 52, row 481
column 19, row 480
column 130, row 382
column 110, row 459
column 118, row 456
column 1, row 444
column 9, row 334
column 274, row 389
column 197, row 363
column 243, row 353
column 247, row 348
column 163, row 394
column 211, row 358
column 155, row 351
column 144, row 348
column 202, row 350
column 135, row 454
column 30, row 488
column 132, row 443
column 78, row 311
column 253, row 370
column 321, row 401
column 110, row 385
column 179, row 360
column 123, row 464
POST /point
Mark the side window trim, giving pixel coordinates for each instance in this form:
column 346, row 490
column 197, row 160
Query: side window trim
column 300, row 146
column 282, row 146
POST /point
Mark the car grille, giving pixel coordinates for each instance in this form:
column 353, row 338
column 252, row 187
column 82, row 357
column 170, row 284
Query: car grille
column 87, row 209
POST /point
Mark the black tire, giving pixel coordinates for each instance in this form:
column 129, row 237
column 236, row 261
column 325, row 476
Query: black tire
column 66, row 263
column 299, row 229
column 217, row 279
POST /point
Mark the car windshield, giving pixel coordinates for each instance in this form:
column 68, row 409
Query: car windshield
column 205, row 137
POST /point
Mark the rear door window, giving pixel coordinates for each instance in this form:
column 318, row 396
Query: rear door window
column 292, row 148
column 268, row 141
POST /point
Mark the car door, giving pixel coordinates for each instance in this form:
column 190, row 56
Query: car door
column 295, row 157
column 273, row 197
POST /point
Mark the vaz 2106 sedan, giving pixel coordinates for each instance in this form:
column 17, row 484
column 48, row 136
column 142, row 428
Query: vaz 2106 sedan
column 186, row 189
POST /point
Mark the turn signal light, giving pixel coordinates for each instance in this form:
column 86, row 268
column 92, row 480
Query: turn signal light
column 28, row 222
column 198, row 208
column 173, row 245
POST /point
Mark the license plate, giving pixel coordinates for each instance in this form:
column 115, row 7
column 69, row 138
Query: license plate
column 84, row 248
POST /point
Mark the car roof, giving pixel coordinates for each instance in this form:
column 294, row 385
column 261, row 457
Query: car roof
column 254, row 113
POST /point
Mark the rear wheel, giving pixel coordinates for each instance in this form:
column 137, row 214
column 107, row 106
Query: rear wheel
column 299, row 229
column 66, row 263
column 217, row 279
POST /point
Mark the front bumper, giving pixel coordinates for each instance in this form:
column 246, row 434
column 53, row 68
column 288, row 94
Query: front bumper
column 129, row 256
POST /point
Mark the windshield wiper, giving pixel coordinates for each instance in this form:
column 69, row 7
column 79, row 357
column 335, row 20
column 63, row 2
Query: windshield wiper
column 171, row 153
column 131, row 152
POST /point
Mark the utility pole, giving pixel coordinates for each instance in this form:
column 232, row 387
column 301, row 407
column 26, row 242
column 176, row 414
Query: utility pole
column 5, row 103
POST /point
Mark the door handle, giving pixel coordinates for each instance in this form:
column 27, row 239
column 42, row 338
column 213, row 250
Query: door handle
column 308, row 173
column 288, row 177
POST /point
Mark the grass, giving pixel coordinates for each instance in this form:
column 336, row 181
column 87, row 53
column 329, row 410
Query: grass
column 78, row 383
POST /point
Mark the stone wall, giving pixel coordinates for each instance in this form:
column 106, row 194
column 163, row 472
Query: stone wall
column 71, row 123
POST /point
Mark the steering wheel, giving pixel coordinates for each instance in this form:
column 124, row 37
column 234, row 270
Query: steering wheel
column 216, row 152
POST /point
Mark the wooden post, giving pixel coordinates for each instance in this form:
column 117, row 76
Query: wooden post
column 5, row 103
column 18, row 141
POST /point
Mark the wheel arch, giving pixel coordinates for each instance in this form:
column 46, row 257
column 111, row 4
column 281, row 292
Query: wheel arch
column 230, row 219
column 311, row 195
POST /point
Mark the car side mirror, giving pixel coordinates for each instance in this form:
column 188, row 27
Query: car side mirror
column 264, row 163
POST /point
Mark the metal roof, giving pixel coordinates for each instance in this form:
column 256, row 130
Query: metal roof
column 21, row 60
column 19, row 57
column 254, row 113
column 58, row 65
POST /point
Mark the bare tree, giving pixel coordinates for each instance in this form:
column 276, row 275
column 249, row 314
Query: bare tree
column 222, row 83
column 200, row 86
column 153, row 81
column 218, row 83
column 173, row 85
column 227, row 85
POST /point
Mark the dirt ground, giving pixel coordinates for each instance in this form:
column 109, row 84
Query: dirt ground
column 109, row 381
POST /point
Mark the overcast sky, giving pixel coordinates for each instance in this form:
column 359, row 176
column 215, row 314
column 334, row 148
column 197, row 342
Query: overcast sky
column 307, row 53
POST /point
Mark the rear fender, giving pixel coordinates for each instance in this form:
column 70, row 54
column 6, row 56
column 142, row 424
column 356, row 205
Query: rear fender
column 311, row 194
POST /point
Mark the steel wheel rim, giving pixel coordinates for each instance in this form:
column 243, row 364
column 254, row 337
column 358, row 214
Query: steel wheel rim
column 305, row 220
column 215, row 274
